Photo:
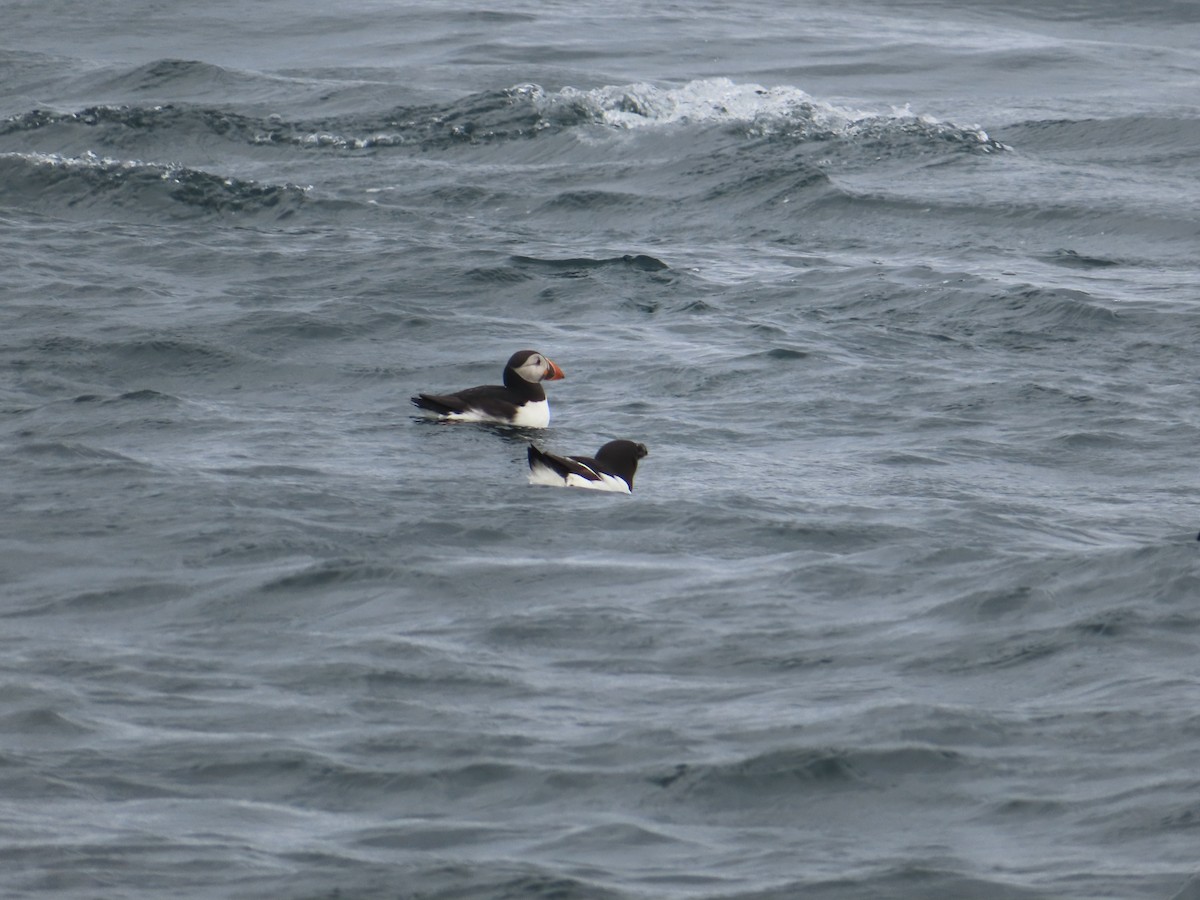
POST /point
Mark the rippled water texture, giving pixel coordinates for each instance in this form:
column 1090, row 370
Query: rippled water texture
column 902, row 300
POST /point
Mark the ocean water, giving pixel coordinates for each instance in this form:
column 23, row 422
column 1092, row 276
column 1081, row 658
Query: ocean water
column 903, row 299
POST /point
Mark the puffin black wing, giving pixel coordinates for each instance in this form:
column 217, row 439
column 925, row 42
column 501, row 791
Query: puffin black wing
column 485, row 401
column 561, row 466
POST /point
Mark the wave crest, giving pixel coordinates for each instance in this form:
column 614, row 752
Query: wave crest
column 757, row 110
column 527, row 111
column 89, row 179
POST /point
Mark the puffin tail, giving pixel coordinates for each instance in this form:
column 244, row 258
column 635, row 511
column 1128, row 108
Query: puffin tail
column 431, row 404
column 544, row 468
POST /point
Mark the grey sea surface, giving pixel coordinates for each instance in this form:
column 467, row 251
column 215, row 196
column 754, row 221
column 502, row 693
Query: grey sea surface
column 902, row 298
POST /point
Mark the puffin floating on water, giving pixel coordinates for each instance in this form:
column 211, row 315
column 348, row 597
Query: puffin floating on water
column 520, row 401
column 611, row 469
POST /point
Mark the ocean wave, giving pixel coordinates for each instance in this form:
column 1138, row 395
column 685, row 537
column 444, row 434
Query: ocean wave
column 42, row 180
column 477, row 118
column 181, row 75
column 518, row 113
column 1123, row 138
column 757, row 110
column 569, row 267
column 772, row 771
column 136, row 120
column 78, row 457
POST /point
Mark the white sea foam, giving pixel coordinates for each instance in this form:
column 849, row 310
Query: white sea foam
column 763, row 110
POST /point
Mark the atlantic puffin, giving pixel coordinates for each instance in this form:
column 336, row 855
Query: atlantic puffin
column 520, row 401
column 611, row 469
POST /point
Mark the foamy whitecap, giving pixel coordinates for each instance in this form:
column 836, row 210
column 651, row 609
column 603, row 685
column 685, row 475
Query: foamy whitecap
column 760, row 110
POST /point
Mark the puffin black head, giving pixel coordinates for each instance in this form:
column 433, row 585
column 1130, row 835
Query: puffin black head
column 621, row 458
column 622, row 449
column 530, row 367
